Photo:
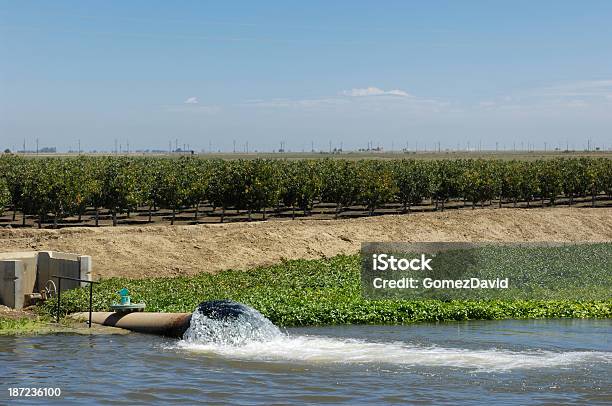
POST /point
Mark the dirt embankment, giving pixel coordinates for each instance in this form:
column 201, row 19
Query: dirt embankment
column 149, row 251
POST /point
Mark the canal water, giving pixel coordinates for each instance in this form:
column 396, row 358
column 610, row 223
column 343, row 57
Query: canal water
column 477, row 362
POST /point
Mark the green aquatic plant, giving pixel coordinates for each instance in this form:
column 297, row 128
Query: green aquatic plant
column 317, row 292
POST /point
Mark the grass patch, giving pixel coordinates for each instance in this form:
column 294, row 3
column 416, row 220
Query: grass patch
column 314, row 292
column 22, row 325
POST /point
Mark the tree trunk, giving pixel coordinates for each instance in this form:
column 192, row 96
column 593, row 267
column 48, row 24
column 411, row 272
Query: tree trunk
column 542, row 201
column 128, row 213
column 292, row 212
column 97, row 217
column 55, row 220
column 250, row 218
column 514, row 202
column 23, row 219
column 571, row 199
column 40, row 220
column 197, row 207
column 442, row 204
column 473, row 204
column 80, row 215
column 14, row 212
column 173, row 216
column 500, row 202
column 114, row 218
column 264, row 213
column 222, row 214
column 150, row 213
column 404, row 207
column 337, row 211
column 593, row 199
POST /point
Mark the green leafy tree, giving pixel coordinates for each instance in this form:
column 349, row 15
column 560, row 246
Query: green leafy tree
column 480, row 181
column 340, row 183
column 445, row 180
column 225, row 184
column 5, row 195
column 174, row 184
column 574, row 177
column 301, row 184
column 375, row 184
column 119, row 186
column 14, row 171
column 550, row 179
column 530, row 184
column 411, row 179
column 510, row 174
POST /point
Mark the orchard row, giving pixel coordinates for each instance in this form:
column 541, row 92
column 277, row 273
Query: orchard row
column 68, row 186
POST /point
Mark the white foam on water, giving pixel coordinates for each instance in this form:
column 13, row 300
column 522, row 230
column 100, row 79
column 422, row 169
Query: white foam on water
column 253, row 337
column 318, row 349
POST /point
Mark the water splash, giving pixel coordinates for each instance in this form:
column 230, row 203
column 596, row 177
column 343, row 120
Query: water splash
column 328, row 350
column 227, row 323
column 232, row 330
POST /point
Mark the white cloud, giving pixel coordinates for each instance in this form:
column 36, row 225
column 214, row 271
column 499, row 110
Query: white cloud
column 191, row 100
column 374, row 91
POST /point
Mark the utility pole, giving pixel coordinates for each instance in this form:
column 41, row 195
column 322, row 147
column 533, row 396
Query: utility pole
column 79, row 144
column 36, row 146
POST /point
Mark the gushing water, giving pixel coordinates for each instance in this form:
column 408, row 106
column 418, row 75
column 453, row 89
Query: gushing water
column 240, row 332
column 226, row 323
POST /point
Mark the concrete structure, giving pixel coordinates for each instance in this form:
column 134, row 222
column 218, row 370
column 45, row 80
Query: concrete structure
column 22, row 273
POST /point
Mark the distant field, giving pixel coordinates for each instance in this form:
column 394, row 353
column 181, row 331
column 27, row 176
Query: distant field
column 426, row 155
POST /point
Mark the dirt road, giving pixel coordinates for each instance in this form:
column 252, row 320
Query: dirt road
column 149, row 251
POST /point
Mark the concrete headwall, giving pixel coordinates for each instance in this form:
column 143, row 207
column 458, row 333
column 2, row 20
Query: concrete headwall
column 22, row 273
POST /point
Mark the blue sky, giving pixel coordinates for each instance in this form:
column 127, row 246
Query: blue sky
column 395, row 73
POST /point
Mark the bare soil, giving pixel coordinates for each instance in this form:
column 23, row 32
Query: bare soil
column 163, row 250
